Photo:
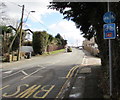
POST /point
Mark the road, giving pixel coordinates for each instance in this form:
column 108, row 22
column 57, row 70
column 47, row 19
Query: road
column 39, row 77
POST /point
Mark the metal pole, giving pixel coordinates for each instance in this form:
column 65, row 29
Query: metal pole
column 110, row 60
column 110, row 67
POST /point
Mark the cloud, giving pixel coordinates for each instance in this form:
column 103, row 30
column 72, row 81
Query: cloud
column 14, row 11
column 68, row 30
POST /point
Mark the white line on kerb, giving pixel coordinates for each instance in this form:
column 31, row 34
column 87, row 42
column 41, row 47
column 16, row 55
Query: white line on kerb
column 83, row 60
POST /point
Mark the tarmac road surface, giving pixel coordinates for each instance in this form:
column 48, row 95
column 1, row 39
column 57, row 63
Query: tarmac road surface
column 39, row 77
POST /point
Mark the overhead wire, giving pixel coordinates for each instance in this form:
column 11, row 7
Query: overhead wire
column 43, row 25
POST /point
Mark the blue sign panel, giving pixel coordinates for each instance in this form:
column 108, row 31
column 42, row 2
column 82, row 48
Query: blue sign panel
column 109, row 31
column 109, row 17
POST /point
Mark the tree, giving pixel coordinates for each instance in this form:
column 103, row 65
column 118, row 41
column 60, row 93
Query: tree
column 15, row 45
column 60, row 40
column 88, row 17
column 6, row 33
column 40, row 41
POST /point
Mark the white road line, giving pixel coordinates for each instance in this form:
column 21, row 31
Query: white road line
column 52, row 63
column 61, row 77
column 24, row 72
column 8, row 72
column 17, row 73
column 32, row 73
column 11, row 74
column 36, row 76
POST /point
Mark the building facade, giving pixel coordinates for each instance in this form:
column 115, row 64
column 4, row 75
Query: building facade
column 91, row 46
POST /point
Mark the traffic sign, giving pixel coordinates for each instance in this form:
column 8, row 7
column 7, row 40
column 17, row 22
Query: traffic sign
column 109, row 17
column 109, row 31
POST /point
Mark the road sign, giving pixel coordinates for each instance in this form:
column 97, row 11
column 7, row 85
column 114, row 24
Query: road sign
column 109, row 17
column 109, row 31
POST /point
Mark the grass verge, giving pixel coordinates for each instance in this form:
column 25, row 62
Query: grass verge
column 54, row 52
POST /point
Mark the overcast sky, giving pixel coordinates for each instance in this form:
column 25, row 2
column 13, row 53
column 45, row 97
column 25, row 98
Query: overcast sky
column 43, row 19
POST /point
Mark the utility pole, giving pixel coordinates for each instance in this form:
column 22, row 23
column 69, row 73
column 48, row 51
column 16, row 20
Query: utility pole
column 20, row 34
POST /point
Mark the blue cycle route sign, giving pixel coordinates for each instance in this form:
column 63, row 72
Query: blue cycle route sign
column 109, row 31
column 109, row 17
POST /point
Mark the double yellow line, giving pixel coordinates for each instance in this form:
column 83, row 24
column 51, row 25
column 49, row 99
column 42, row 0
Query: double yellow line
column 68, row 76
column 71, row 72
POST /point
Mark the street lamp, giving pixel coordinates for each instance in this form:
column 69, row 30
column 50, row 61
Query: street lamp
column 28, row 15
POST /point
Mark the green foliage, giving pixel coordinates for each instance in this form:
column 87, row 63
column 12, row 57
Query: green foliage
column 60, row 40
column 15, row 45
column 56, row 51
column 59, row 36
column 88, row 17
column 40, row 41
column 5, row 29
column 51, row 38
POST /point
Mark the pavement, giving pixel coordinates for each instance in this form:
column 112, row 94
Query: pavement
column 86, row 82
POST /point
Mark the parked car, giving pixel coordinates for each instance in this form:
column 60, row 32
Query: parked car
column 80, row 48
column 69, row 49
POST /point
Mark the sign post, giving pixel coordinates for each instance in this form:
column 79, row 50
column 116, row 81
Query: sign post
column 109, row 33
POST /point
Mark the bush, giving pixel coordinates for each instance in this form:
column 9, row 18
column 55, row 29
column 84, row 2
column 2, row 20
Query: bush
column 40, row 40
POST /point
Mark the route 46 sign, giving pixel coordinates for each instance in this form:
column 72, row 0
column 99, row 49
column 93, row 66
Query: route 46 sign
column 109, row 31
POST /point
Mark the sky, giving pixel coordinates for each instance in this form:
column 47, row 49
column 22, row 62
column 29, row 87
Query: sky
column 43, row 19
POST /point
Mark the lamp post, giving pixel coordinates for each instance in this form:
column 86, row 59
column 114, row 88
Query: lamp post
column 28, row 15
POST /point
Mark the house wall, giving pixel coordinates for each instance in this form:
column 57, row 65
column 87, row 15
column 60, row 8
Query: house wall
column 91, row 46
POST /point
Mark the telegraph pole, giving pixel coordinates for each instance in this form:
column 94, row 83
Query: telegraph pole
column 20, row 34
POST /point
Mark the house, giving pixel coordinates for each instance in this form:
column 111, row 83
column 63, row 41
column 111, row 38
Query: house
column 91, row 46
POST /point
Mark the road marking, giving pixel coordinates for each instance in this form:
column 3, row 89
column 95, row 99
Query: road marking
column 28, row 92
column 11, row 74
column 43, row 90
column 69, row 75
column 63, row 87
column 71, row 71
column 86, row 62
column 32, row 73
column 74, row 70
column 16, row 92
column 52, row 63
column 24, row 72
column 36, row 76
column 17, row 73
column 83, row 60
column 62, row 77
column 4, row 87
column 33, row 91
column 8, row 72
